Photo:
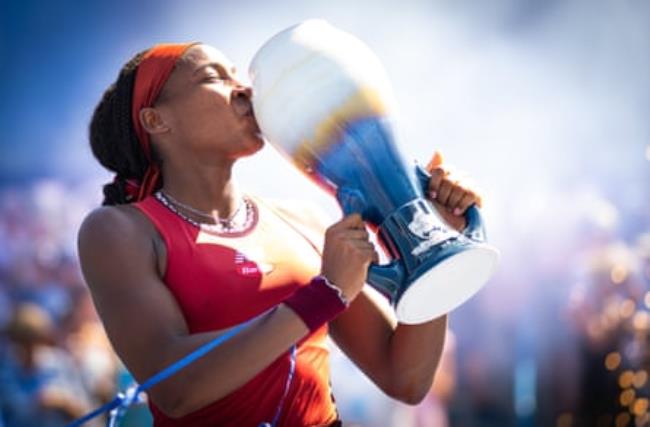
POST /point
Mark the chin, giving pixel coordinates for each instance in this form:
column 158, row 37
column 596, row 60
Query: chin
column 251, row 145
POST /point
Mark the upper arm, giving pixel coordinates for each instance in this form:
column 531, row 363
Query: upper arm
column 139, row 313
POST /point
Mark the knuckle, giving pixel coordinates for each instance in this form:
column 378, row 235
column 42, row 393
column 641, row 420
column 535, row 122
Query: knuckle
column 455, row 184
column 469, row 200
column 460, row 196
column 438, row 171
column 435, row 178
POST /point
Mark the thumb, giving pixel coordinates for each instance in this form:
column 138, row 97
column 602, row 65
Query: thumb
column 435, row 161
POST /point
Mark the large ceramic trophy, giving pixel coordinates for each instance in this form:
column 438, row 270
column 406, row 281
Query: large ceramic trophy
column 323, row 99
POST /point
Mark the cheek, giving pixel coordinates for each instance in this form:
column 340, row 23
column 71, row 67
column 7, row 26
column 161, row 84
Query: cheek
column 204, row 116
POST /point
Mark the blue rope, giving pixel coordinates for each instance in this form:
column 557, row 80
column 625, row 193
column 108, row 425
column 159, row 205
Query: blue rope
column 104, row 408
column 292, row 370
column 122, row 401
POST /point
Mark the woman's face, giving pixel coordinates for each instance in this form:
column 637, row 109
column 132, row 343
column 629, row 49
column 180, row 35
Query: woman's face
column 207, row 109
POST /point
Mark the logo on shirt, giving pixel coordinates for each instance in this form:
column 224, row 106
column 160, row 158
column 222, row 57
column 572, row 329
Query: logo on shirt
column 246, row 264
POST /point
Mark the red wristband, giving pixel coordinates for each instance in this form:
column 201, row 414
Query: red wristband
column 316, row 303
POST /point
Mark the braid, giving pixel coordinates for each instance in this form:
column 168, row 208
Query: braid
column 112, row 137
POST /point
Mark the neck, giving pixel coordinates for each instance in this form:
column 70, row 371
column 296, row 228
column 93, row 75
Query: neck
column 206, row 188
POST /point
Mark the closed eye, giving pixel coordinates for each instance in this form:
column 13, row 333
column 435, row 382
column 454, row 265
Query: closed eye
column 214, row 78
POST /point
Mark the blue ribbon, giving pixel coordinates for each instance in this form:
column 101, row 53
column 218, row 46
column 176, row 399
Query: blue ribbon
column 292, row 370
column 122, row 401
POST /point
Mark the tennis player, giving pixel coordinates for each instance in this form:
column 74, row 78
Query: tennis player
column 178, row 254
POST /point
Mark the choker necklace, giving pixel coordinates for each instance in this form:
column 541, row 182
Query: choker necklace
column 236, row 223
column 197, row 212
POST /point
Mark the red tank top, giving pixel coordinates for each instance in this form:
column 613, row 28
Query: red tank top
column 221, row 281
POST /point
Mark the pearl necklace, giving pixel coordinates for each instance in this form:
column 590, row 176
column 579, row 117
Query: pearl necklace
column 224, row 226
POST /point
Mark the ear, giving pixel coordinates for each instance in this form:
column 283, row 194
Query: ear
column 152, row 121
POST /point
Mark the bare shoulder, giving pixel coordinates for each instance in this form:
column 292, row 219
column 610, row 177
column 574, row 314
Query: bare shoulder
column 106, row 217
column 107, row 224
column 111, row 235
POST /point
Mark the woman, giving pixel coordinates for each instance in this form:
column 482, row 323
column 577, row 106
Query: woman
column 178, row 254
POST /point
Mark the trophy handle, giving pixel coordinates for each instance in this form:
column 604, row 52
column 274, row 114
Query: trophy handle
column 351, row 201
column 475, row 228
column 387, row 278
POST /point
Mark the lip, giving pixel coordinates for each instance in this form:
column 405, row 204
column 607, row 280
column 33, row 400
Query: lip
column 251, row 118
column 243, row 107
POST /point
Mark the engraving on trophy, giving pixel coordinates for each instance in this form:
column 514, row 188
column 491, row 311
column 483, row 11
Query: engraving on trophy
column 425, row 226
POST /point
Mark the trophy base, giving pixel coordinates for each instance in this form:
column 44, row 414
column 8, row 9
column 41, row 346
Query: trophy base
column 447, row 285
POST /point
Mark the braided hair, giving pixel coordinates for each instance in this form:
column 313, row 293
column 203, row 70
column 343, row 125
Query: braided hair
column 113, row 139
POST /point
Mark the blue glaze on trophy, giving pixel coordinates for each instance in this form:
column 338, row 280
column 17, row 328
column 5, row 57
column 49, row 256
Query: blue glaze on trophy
column 323, row 99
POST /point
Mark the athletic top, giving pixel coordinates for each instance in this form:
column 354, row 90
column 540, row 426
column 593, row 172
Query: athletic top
column 220, row 281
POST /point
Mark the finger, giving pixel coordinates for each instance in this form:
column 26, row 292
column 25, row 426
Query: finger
column 463, row 204
column 369, row 255
column 372, row 256
column 459, row 179
column 357, row 234
column 443, row 192
column 456, row 195
column 474, row 194
column 477, row 199
column 437, row 175
column 361, row 245
column 436, row 160
column 350, row 221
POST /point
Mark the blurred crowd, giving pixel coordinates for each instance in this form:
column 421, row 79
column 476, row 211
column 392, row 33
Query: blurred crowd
column 559, row 337
column 55, row 360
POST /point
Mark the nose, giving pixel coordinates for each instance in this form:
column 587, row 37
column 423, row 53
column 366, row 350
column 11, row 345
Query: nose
column 241, row 99
column 242, row 90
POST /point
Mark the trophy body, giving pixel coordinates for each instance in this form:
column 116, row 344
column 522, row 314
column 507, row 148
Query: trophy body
column 323, row 99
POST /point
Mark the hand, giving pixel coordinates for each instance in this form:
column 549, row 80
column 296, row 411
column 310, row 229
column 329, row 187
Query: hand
column 347, row 253
column 57, row 398
column 450, row 197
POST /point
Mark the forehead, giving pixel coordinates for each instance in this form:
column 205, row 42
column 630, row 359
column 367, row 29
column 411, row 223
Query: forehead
column 201, row 54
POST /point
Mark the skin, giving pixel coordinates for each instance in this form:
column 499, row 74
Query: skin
column 201, row 124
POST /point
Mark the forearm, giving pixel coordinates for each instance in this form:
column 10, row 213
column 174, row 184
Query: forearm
column 227, row 367
column 400, row 359
column 414, row 352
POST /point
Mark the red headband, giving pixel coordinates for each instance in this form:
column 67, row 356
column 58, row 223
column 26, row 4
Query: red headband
column 152, row 73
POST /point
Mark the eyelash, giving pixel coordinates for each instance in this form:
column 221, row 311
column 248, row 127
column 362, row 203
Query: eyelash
column 215, row 78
